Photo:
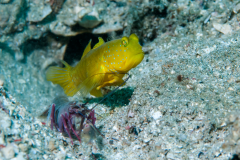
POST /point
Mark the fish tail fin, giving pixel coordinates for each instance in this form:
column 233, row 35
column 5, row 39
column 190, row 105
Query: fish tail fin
column 61, row 76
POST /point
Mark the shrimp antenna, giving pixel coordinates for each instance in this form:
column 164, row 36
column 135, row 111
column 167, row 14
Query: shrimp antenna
column 109, row 94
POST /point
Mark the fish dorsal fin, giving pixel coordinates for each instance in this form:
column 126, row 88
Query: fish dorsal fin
column 101, row 41
column 87, row 49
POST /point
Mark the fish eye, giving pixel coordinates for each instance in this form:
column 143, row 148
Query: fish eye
column 124, row 41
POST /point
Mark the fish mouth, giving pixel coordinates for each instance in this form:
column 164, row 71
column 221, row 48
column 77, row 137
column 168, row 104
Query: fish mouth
column 141, row 53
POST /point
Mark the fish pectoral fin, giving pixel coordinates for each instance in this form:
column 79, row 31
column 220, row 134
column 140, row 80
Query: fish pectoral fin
column 87, row 49
column 90, row 83
column 96, row 93
column 115, row 81
column 119, row 82
column 101, row 42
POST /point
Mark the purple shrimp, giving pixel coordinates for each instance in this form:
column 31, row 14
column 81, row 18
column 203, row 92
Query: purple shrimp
column 63, row 113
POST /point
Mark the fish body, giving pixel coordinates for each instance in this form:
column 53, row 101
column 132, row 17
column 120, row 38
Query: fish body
column 104, row 65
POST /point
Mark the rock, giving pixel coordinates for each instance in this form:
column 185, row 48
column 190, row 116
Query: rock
column 23, row 147
column 51, row 145
column 232, row 118
column 8, row 15
column 2, row 141
column 45, row 156
column 5, row 121
column 20, row 156
column 182, row 137
column 56, row 5
column 1, row 82
column 86, row 17
column 146, row 140
column 106, row 28
column 38, row 11
column 4, row 1
column 59, row 28
column 157, row 115
column 47, row 63
column 236, row 8
column 82, row 11
column 60, row 155
column 8, row 151
column 171, row 156
column 22, row 81
column 223, row 28
column 130, row 114
column 4, row 16
column 18, row 56
column 182, row 3
column 136, row 147
column 90, row 20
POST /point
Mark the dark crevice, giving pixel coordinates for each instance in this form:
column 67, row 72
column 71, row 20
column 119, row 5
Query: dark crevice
column 6, row 48
column 34, row 44
column 157, row 13
column 50, row 18
column 77, row 44
column 120, row 4
column 151, row 15
column 23, row 11
column 183, row 25
column 235, row 157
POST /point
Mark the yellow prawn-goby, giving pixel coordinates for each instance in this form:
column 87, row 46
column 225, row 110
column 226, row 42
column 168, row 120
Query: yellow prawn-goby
column 104, row 65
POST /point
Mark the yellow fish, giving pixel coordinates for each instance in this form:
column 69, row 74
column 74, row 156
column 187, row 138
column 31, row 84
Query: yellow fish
column 104, row 65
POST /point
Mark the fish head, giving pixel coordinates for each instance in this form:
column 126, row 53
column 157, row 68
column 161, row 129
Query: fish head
column 123, row 54
column 134, row 52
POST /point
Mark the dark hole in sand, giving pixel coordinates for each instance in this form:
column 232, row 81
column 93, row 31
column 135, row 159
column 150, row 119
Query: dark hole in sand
column 77, row 44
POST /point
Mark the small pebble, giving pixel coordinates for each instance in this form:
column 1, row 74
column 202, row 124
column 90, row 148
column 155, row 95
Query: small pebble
column 22, row 81
column 223, row 124
column 20, row 156
column 217, row 154
column 200, row 154
column 111, row 142
column 60, row 155
column 232, row 118
column 146, row 140
column 172, row 72
column 130, row 114
column 45, row 156
column 157, row 115
column 136, row 147
column 180, row 78
column 5, row 121
column 223, row 28
column 235, row 135
column 23, row 147
column 8, row 151
column 51, row 145
column 1, row 82
column 4, row 1
column 156, row 93
column 236, row 9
